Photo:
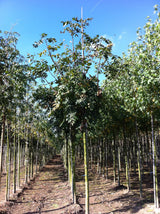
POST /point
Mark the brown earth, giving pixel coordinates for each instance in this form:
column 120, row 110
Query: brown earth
column 50, row 193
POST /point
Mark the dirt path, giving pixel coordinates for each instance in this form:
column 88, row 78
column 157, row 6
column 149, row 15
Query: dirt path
column 50, row 193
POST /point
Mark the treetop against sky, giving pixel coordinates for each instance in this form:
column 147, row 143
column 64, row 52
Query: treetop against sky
column 117, row 20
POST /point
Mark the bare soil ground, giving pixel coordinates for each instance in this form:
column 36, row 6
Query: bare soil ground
column 50, row 193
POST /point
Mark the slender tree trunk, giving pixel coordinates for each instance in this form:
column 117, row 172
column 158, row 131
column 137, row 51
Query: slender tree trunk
column 126, row 162
column 155, row 179
column 19, row 159
column 1, row 146
column 139, row 161
column 119, row 164
column 134, row 155
column 91, row 154
column 8, row 165
column 106, row 146
column 114, row 160
column 73, row 174
column 26, row 162
column 98, row 160
column 86, row 171
column 32, row 164
column 37, row 154
column 14, row 160
column 127, row 172
column 31, row 158
column 69, row 163
column 71, row 166
column 149, row 145
column 40, row 155
column 103, row 156
column 66, row 153
column 100, row 156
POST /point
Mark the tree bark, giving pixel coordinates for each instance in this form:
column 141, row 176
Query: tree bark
column 2, row 142
column 139, row 161
column 155, row 179
column 14, row 159
column 114, row 159
column 86, row 171
column 19, row 157
column 126, row 162
column 119, row 164
column 8, row 166
column 106, row 148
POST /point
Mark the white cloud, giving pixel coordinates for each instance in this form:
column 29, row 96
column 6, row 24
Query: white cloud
column 121, row 35
column 116, row 40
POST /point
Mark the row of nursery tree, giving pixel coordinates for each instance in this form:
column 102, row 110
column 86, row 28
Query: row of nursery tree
column 115, row 124
column 24, row 146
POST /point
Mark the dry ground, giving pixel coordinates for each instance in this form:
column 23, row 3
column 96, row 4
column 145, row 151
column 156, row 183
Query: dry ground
column 50, row 193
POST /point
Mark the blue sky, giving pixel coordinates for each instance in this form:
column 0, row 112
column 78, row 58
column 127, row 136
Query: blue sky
column 118, row 20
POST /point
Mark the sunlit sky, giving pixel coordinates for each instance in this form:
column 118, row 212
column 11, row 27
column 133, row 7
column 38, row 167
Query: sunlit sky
column 117, row 20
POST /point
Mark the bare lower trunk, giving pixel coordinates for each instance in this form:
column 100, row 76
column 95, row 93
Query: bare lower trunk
column 1, row 146
column 8, row 166
column 86, row 172
column 14, row 162
column 155, row 179
column 139, row 161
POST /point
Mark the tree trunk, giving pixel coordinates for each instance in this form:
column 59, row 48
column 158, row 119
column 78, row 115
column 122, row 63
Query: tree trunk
column 91, row 155
column 32, row 165
column 155, row 179
column 14, row 160
column 37, row 146
column 19, row 159
column 69, row 163
column 100, row 155
column 2, row 142
column 119, row 164
column 73, row 173
column 8, row 165
column 114, row 159
column 126, row 162
column 71, row 166
column 26, row 162
column 139, row 161
column 86, row 171
column 66, row 153
column 106, row 146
